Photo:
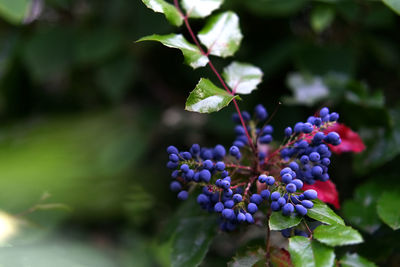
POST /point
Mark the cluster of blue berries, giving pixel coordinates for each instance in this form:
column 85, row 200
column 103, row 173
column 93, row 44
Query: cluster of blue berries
column 264, row 133
column 309, row 156
column 228, row 188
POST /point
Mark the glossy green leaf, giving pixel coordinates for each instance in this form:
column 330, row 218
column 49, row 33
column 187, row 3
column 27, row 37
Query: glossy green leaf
column 361, row 210
column 321, row 18
column 200, row 8
column 337, row 235
column 221, row 34
column 242, row 78
column 278, row 221
column 14, row 11
column 169, row 10
column 192, row 54
column 321, row 212
column 355, row 260
column 207, row 98
column 389, row 209
column 307, row 253
column 249, row 258
column 393, row 4
column 192, row 240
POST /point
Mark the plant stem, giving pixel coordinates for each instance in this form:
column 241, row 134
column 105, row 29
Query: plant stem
column 189, row 28
column 268, row 238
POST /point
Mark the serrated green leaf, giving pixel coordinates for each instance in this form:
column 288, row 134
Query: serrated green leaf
column 393, row 4
column 192, row 240
column 221, row 34
column 192, row 54
column 242, row 78
column 337, row 235
column 355, row 260
column 14, row 11
column 278, row 221
column 171, row 13
column 307, row 253
column 200, row 8
column 207, row 98
column 321, row 212
column 388, row 209
column 321, row 18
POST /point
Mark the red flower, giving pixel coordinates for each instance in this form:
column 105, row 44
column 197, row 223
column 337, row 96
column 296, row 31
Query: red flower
column 326, row 192
column 351, row 141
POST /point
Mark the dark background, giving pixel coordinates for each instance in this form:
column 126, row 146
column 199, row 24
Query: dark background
column 86, row 114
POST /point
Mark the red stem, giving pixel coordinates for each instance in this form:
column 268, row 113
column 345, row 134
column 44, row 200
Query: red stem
column 239, row 167
column 186, row 20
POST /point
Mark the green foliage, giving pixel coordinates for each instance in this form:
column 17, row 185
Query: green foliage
column 207, row 97
column 14, row 11
column 337, row 235
column 321, row 18
column 278, row 221
column 200, row 8
column 170, row 12
column 221, row 34
column 192, row 54
column 355, row 260
column 388, row 209
column 307, row 253
column 242, row 78
column 321, row 212
column 393, row 4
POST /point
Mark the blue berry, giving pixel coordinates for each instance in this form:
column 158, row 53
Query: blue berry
column 189, row 174
column 310, row 194
column 304, row 159
column 288, row 131
column 318, row 137
column 195, row 149
column 270, row 180
column 173, row 157
column 184, row 168
column 265, row 194
column 239, row 130
column 275, row 195
column 260, row 112
column 225, row 184
column 301, row 209
column 229, row 204
column 281, row 201
column 219, row 207
column 219, row 152
column 202, row 199
column 175, row 174
column 262, row 178
column 175, row 186
column 172, row 165
column 286, row 232
column 314, row 156
column 208, row 164
column 237, row 198
column 333, row 116
column 291, row 188
column 186, row 155
column 294, row 166
column 307, row 127
column 228, row 214
column 249, row 218
column 220, row 166
column 298, row 127
column 172, row 150
column 234, row 151
column 252, row 208
column 317, row 171
column 224, row 174
column 323, row 112
column 246, row 116
column 332, row 138
column 241, row 217
column 256, row 198
column 298, row 183
column 307, row 203
column 287, row 178
column 275, row 206
column 183, row 195
column 228, row 193
column 265, row 139
column 205, row 175
column 287, row 209
column 268, row 129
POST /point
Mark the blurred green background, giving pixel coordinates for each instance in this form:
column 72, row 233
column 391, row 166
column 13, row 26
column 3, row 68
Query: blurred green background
column 86, row 115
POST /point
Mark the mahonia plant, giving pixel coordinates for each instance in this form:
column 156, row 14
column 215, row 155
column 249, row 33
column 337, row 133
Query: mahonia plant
column 254, row 181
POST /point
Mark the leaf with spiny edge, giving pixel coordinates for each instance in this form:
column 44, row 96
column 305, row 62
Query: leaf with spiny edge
column 221, row 34
column 242, row 78
column 207, row 98
column 170, row 11
column 200, row 8
column 192, row 54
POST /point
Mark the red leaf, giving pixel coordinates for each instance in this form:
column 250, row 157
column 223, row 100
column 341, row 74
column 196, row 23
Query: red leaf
column 351, row 141
column 281, row 258
column 326, row 192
